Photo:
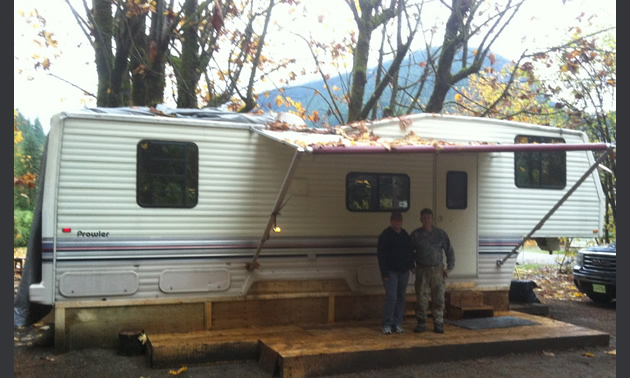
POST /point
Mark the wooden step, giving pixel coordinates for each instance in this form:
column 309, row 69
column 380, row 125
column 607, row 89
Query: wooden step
column 464, row 298
column 208, row 347
column 461, row 312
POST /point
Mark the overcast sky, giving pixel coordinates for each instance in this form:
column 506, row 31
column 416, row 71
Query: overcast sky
column 39, row 95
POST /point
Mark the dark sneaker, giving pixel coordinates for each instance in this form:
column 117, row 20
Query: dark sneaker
column 419, row 328
column 387, row 330
column 398, row 329
column 438, row 328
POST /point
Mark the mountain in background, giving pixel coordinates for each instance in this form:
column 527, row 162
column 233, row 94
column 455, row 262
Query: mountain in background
column 410, row 73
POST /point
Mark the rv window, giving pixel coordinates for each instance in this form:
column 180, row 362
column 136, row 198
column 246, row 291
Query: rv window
column 167, row 174
column 377, row 192
column 541, row 170
column 456, row 190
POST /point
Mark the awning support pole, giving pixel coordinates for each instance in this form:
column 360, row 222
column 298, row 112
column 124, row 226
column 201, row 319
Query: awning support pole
column 557, row 205
column 276, row 209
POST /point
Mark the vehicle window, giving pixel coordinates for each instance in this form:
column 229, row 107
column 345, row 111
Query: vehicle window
column 377, row 192
column 167, row 174
column 540, row 169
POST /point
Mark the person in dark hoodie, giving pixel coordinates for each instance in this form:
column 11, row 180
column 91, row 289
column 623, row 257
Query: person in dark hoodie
column 395, row 260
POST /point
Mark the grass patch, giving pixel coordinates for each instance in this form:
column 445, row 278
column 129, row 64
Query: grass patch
column 522, row 267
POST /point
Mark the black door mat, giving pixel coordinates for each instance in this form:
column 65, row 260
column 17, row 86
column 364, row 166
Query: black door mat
column 491, row 322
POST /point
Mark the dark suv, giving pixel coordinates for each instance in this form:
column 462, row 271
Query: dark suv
column 595, row 272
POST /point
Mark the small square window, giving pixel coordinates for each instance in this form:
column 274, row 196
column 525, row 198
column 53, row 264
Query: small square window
column 167, row 174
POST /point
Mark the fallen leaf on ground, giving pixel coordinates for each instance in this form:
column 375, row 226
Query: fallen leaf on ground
column 612, row 352
column 143, row 338
column 178, row 372
column 548, row 354
column 589, row 354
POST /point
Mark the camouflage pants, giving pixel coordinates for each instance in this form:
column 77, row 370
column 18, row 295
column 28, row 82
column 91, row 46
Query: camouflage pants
column 430, row 283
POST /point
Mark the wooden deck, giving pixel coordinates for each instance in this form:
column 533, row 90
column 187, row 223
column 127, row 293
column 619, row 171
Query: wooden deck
column 302, row 351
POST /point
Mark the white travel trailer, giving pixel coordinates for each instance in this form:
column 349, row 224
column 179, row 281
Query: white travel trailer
column 167, row 220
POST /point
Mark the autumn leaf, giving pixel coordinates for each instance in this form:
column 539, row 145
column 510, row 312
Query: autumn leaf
column 612, row 352
column 143, row 338
column 179, row 371
column 405, row 123
column 46, row 64
column 588, row 354
column 279, row 101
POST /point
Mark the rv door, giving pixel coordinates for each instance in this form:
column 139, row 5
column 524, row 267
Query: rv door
column 456, row 207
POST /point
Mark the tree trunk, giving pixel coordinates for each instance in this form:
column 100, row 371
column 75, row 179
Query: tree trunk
column 401, row 53
column 138, row 67
column 443, row 78
column 127, row 28
column 103, row 30
column 188, row 68
column 160, row 36
column 359, row 76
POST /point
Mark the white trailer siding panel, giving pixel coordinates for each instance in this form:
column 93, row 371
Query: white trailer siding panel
column 493, row 276
column 322, row 210
column 149, row 273
column 504, row 209
column 97, row 182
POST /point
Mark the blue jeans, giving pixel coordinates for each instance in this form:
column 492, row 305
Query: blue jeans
column 395, row 296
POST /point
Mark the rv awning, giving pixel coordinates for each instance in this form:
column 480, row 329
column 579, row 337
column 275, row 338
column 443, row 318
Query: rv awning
column 329, row 143
column 461, row 148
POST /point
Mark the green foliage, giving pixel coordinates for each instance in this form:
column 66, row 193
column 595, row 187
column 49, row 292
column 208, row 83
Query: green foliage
column 22, row 220
column 27, row 157
column 611, row 227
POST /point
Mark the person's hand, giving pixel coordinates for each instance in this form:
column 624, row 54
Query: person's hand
column 446, row 272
